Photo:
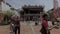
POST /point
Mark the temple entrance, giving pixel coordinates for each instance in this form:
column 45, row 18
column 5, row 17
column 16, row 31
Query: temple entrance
column 29, row 13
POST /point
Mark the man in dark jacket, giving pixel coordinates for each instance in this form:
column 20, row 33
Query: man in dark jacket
column 17, row 25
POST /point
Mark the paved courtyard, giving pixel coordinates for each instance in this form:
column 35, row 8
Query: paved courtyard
column 27, row 29
column 4, row 29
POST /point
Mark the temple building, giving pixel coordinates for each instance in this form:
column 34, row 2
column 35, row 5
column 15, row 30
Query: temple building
column 31, row 13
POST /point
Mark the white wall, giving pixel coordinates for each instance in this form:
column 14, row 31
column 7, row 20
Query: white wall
column 5, row 7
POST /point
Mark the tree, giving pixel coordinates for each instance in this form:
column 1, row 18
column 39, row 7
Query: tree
column 8, row 13
column 50, row 13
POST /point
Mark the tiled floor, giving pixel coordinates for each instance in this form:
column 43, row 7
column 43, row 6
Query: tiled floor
column 26, row 29
column 37, row 30
column 4, row 29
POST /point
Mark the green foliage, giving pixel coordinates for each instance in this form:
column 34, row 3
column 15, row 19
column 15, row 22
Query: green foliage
column 8, row 13
column 50, row 12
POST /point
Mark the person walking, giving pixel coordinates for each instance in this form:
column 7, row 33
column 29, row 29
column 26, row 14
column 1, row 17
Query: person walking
column 12, row 22
column 36, row 23
column 44, row 29
column 17, row 25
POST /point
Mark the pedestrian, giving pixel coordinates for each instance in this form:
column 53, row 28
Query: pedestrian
column 17, row 25
column 36, row 23
column 12, row 27
column 44, row 29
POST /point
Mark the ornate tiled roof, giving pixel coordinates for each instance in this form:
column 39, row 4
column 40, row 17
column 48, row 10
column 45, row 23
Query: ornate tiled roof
column 32, row 7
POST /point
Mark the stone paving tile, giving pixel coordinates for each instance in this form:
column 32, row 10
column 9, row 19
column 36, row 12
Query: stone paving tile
column 25, row 29
column 53, row 31
column 37, row 29
column 4, row 29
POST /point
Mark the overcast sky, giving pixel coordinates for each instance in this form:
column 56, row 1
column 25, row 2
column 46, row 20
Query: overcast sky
column 19, row 3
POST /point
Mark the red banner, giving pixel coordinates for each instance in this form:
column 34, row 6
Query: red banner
column 57, row 13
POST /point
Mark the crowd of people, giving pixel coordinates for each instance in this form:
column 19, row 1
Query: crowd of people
column 15, row 24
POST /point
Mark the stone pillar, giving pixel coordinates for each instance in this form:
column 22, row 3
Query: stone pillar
column 55, row 4
column 41, row 13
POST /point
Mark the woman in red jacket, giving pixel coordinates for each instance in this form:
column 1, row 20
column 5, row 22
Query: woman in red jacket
column 44, row 28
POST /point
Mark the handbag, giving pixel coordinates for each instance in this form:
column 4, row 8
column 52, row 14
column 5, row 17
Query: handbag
column 48, row 32
column 41, row 30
